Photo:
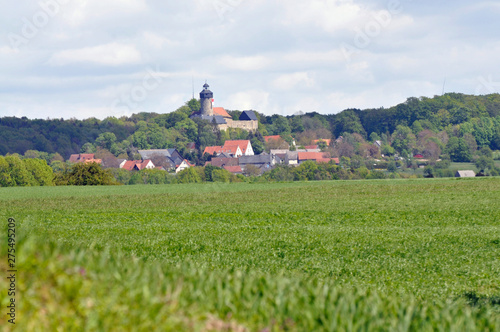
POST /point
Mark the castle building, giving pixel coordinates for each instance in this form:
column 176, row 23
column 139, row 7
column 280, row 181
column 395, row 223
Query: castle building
column 247, row 121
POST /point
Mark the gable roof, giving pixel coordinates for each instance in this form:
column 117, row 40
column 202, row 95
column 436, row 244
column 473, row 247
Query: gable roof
column 248, row 116
column 233, row 169
column 212, row 149
column 312, row 155
column 242, row 144
column 148, row 154
column 221, row 162
column 218, row 118
column 275, row 137
column 222, row 112
column 258, row 159
column 74, row 158
column 136, row 164
column 465, row 174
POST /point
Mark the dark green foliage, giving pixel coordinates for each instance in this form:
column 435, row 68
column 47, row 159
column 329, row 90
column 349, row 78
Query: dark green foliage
column 458, row 150
column 87, row 174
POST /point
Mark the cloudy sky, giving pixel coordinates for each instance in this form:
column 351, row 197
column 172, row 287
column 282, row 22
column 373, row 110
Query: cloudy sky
column 83, row 58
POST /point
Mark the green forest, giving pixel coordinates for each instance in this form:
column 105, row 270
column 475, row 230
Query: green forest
column 449, row 128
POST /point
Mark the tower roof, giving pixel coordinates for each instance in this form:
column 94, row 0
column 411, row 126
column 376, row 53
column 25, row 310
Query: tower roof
column 205, row 93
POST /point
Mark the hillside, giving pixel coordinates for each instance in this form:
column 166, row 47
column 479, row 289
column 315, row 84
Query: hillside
column 457, row 114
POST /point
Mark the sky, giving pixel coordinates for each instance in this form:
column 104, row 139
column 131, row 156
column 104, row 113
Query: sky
column 94, row 58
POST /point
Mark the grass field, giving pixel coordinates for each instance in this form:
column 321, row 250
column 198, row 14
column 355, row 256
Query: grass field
column 356, row 255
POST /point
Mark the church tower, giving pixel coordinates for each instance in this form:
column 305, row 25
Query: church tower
column 206, row 98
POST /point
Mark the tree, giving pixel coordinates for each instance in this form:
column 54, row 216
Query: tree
column 189, row 175
column 257, row 145
column 43, row 174
column 105, row 140
column 88, row 148
column 251, row 170
column 374, row 137
column 391, row 167
column 403, row 139
column 458, row 150
column 5, row 178
column 89, row 174
column 18, row 172
column 484, row 163
column 194, row 105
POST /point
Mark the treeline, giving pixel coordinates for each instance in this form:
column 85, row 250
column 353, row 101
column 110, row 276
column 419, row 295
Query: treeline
column 454, row 114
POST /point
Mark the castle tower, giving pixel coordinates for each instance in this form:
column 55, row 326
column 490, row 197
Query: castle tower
column 206, row 97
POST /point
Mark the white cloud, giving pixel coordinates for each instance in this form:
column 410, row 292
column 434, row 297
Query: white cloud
column 113, row 54
column 290, row 81
column 330, row 15
column 78, row 13
column 247, row 63
column 8, row 51
column 251, row 99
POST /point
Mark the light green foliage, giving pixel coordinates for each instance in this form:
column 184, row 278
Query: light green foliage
column 105, row 140
column 310, row 256
column 189, row 175
column 42, row 172
column 403, row 139
column 18, row 173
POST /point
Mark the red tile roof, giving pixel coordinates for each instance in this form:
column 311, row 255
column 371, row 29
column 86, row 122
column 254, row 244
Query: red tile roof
column 313, row 155
column 83, row 157
column 275, row 137
column 233, row 169
column 243, row 144
column 136, row 164
column 311, row 147
column 221, row 111
column 211, row 149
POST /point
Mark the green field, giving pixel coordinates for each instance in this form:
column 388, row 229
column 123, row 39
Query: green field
column 403, row 255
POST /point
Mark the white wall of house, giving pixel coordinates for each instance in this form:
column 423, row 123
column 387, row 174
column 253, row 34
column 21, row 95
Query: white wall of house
column 182, row 166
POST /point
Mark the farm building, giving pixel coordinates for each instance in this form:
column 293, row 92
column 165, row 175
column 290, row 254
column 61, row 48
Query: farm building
column 465, row 174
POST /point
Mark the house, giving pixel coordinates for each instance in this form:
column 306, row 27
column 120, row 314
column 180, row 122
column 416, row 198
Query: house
column 244, row 146
column 418, row 156
column 262, row 161
column 319, row 157
column 191, row 146
column 137, row 165
column 234, row 169
column 378, row 144
column 211, row 150
column 465, row 174
column 183, row 165
column 311, row 147
column 84, row 158
column 275, row 137
column 276, row 142
column 167, row 158
column 292, row 158
column 221, row 162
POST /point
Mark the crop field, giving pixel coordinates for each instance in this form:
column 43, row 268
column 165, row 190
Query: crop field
column 401, row 255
